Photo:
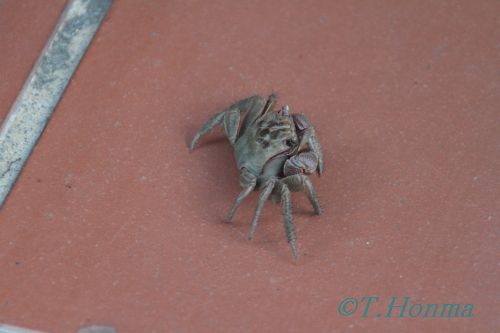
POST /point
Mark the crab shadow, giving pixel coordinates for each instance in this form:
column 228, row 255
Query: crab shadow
column 341, row 189
column 215, row 153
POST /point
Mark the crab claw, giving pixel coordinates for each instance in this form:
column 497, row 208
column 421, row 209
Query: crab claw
column 308, row 138
column 303, row 163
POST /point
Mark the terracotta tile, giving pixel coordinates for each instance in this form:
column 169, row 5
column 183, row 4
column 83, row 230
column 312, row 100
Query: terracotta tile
column 114, row 222
column 24, row 28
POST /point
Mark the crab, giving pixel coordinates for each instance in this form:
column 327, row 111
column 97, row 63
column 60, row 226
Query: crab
column 275, row 153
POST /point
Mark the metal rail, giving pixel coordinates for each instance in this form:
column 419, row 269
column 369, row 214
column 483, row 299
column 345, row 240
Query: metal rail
column 45, row 86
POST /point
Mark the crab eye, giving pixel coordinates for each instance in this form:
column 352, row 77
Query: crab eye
column 290, row 142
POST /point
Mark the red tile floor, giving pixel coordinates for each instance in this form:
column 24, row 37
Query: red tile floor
column 114, row 222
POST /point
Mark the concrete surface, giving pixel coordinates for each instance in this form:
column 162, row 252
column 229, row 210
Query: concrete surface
column 114, row 223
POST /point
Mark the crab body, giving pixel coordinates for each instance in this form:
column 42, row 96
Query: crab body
column 274, row 151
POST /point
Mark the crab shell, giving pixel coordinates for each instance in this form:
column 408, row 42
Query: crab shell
column 268, row 147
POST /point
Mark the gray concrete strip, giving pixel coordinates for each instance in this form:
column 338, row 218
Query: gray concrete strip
column 45, row 85
column 15, row 329
column 97, row 329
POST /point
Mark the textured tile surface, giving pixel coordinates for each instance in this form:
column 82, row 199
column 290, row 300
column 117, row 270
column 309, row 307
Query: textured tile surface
column 45, row 86
column 114, row 223
column 25, row 26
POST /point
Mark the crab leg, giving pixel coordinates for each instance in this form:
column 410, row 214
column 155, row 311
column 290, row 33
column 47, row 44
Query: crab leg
column 230, row 118
column 301, row 182
column 311, row 194
column 239, row 199
column 248, row 181
column 207, row 127
column 288, row 220
column 264, row 195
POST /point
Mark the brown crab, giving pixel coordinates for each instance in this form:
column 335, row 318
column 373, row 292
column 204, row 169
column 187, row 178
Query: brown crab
column 275, row 152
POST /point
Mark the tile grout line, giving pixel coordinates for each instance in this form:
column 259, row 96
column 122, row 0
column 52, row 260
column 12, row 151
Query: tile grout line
column 45, row 86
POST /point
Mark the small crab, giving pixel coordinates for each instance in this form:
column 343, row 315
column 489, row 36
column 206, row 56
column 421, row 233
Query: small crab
column 275, row 152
